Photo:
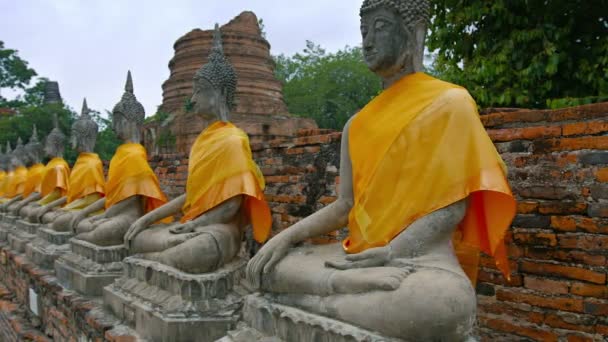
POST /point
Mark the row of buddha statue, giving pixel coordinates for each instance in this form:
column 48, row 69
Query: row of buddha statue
column 422, row 191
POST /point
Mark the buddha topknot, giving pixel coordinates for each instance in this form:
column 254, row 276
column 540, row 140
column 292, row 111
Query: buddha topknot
column 128, row 105
column 218, row 71
column 84, row 126
column 411, row 11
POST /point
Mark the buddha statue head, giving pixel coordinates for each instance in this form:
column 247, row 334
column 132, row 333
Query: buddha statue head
column 393, row 33
column 128, row 115
column 84, row 131
column 55, row 141
column 19, row 156
column 34, row 148
column 215, row 84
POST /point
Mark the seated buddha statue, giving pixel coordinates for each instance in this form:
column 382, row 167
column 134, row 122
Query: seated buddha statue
column 54, row 184
column 422, row 191
column 16, row 177
column 86, row 183
column 35, row 173
column 132, row 189
column 5, row 164
column 224, row 190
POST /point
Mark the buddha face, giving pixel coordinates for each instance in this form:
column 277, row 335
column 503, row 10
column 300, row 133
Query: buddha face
column 206, row 100
column 34, row 152
column 386, row 41
column 125, row 129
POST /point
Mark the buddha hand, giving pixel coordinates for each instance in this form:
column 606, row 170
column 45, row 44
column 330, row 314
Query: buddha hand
column 182, row 228
column 373, row 257
column 79, row 216
column 265, row 260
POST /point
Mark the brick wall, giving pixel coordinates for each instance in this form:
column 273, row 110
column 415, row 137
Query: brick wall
column 559, row 240
column 558, row 244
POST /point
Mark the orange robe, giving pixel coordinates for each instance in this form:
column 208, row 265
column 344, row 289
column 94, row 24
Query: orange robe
column 221, row 167
column 56, row 177
column 34, row 179
column 131, row 175
column 16, row 183
column 3, row 177
column 419, row 147
column 86, row 177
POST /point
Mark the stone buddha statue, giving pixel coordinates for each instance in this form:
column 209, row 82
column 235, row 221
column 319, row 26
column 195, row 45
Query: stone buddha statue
column 224, row 191
column 31, row 192
column 16, row 177
column 86, row 184
column 422, row 191
column 5, row 167
column 54, row 184
column 132, row 189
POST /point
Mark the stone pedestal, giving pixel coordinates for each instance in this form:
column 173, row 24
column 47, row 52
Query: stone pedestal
column 87, row 268
column 48, row 246
column 24, row 233
column 265, row 320
column 165, row 304
column 7, row 224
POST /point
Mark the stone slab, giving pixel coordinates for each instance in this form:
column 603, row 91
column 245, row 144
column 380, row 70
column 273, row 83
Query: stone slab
column 17, row 240
column 87, row 268
column 28, row 227
column 47, row 247
column 165, row 304
column 292, row 324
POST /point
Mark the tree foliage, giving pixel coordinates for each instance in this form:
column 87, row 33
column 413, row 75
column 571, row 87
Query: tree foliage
column 525, row 53
column 14, row 71
column 328, row 87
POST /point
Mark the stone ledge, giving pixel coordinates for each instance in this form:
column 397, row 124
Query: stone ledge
column 291, row 324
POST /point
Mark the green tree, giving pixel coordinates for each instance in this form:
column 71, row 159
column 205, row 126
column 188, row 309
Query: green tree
column 14, row 71
column 525, row 53
column 328, row 87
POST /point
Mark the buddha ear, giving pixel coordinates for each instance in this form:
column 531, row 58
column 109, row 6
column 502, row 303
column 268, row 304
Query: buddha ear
column 418, row 31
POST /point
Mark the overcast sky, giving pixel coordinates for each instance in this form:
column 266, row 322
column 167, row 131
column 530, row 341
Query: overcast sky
column 88, row 45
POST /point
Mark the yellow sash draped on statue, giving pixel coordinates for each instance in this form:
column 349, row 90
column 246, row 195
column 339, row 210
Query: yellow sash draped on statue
column 131, row 175
column 16, row 183
column 33, row 183
column 56, row 177
column 419, row 147
column 221, row 167
column 87, row 177
column 3, row 177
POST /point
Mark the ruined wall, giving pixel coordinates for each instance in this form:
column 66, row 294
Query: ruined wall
column 558, row 244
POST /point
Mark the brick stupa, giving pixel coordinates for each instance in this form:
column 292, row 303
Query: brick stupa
column 260, row 109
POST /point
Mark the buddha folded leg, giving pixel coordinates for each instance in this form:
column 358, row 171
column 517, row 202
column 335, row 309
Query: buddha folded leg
column 200, row 251
column 407, row 298
column 59, row 220
column 105, row 232
column 159, row 238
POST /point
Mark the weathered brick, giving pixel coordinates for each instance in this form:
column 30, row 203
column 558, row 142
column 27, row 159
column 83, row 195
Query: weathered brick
column 570, row 321
column 598, row 210
column 527, row 207
column 531, row 221
column 596, row 307
column 594, row 158
column 601, row 174
column 524, row 133
column 599, row 191
column 485, row 289
column 585, row 242
column 569, row 272
column 546, row 285
column 562, row 208
column 589, row 290
column 550, row 302
column 563, row 223
column 535, row 333
column 579, row 338
column 585, row 128
column 516, row 310
column 537, row 239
